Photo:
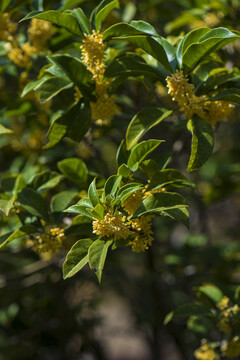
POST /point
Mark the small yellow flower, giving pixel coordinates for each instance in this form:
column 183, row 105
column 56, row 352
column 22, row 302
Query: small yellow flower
column 39, row 32
column 93, row 54
column 144, row 236
column 223, row 304
column 49, row 242
column 112, row 226
column 183, row 93
column 104, row 109
column 7, row 27
column 205, row 353
column 133, row 202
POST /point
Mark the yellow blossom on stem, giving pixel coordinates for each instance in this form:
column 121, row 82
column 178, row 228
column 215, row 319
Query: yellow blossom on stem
column 50, row 241
column 183, row 93
column 205, row 353
column 39, row 32
column 112, row 226
column 133, row 202
column 93, row 54
column 7, row 27
column 143, row 239
column 104, row 109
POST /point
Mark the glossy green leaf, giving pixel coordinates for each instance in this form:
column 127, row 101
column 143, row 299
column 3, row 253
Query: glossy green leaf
column 4, row 130
column 76, row 258
column 75, row 70
column 32, row 201
column 17, row 234
column 3, row 5
column 92, row 193
column 33, row 85
column 212, row 292
column 131, row 65
column 51, row 87
column 112, row 185
column 82, row 21
column 168, row 176
column 231, row 95
column 158, row 202
column 78, row 209
column 80, row 226
column 65, row 20
column 74, row 123
column 124, row 171
column 97, row 255
column 46, row 180
column 202, row 142
column 120, row 29
column 143, row 121
column 144, row 27
column 68, row 4
column 122, row 154
column 140, row 152
column 75, row 170
column 60, row 201
column 180, row 215
column 210, row 42
column 101, row 12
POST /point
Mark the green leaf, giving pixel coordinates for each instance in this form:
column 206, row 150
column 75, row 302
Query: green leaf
column 212, row 292
column 74, row 123
column 143, row 121
column 22, row 231
column 192, row 309
column 33, row 202
column 92, row 193
column 140, row 152
column 100, row 13
column 46, row 180
column 120, row 29
column 165, row 177
column 4, row 130
column 51, row 87
column 202, row 142
column 180, row 215
column 68, row 4
column 82, row 21
column 80, row 226
column 66, row 20
column 122, row 153
column 60, row 201
column 75, row 170
column 144, row 27
column 3, row 5
column 231, row 95
column 33, row 85
column 76, row 71
column 158, row 202
column 97, row 255
column 76, row 258
column 129, row 64
column 124, row 171
column 78, row 209
column 210, row 42
column 111, row 185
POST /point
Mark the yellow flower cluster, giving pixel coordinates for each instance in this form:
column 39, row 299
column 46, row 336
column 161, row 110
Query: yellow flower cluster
column 112, row 226
column 144, row 236
column 7, row 27
column 104, row 109
column 93, row 52
column 50, row 241
column 183, row 93
column 232, row 348
column 227, row 315
column 39, row 32
column 205, row 353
